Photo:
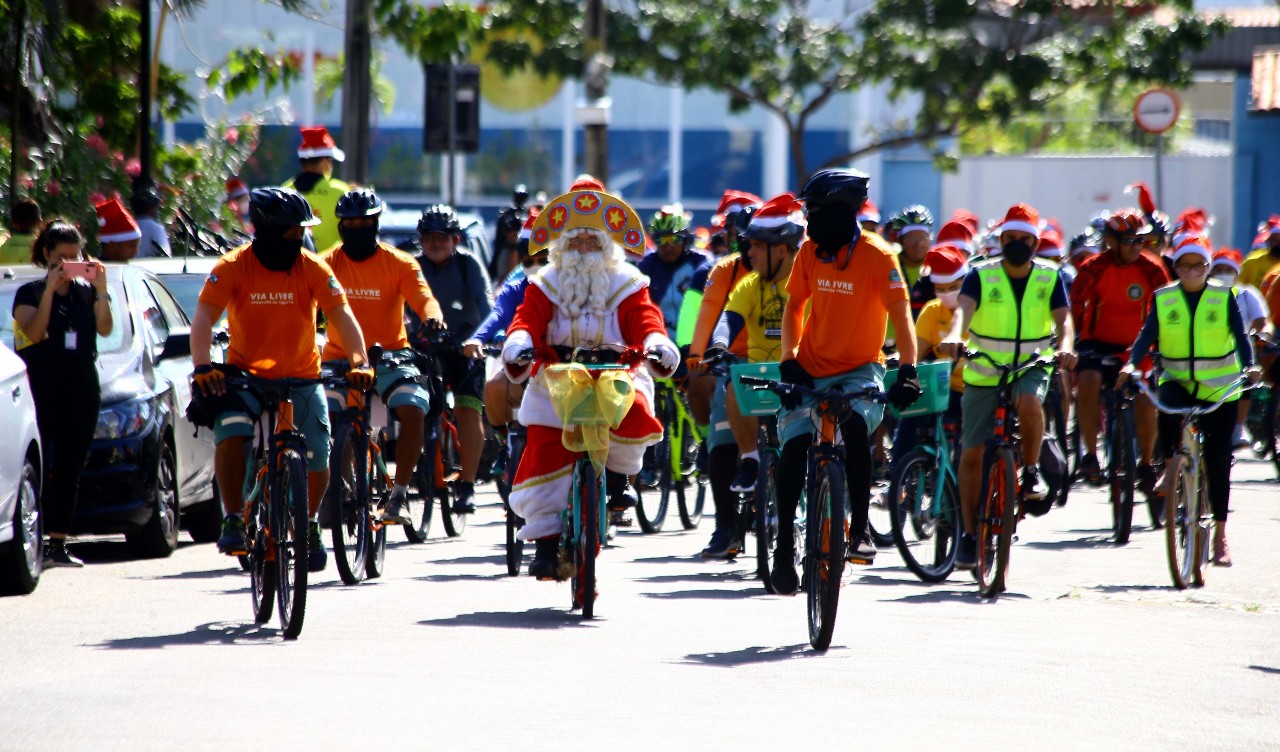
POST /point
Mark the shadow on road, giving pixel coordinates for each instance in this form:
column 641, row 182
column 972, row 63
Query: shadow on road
column 214, row 633
column 534, row 618
column 109, row 551
column 463, row 577
column 968, row 595
column 668, row 559
column 1088, row 541
column 496, row 560
column 1130, row 588
column 748, row 656
column 233, row 570
column 1266, row 669
column 737, row 575
column 716, row 594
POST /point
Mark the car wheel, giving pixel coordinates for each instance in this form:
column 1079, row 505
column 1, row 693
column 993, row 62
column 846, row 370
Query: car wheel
column 22, row 560
column 159, row 537
column 204, row 520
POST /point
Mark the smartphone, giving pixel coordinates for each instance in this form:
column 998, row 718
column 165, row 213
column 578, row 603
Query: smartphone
column 86, row 270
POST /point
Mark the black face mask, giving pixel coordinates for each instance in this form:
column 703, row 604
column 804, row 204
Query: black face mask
column 740, row 245
column 359, row 242
column 1017, row 252
column 832, row 228
column 1275, row 250
column 274, row 250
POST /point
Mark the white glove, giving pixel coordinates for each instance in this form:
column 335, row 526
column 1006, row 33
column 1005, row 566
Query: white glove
column 517, row 343
column 665, row 349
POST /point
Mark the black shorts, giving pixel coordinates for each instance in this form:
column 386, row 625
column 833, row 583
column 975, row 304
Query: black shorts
column 465, row 377
column 1093, row 354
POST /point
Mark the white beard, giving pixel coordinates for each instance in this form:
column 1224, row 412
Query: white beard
column 584, row 283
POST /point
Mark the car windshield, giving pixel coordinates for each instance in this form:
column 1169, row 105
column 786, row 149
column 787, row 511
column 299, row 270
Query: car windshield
column 117, row 341
column 186, row 288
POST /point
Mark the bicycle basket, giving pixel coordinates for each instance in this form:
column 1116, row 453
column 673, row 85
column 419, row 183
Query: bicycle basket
column 753, row 401
column 935, row 383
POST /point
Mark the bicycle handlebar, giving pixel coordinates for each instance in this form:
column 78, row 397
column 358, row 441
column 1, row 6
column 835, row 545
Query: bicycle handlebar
column 871, row 393
column 1194, row 411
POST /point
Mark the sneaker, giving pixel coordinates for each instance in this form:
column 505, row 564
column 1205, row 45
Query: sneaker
column 1147, row 475
column 1033, row 489
column 231, row 542
column 621, row 497
column 1239, row 439
column 317, row 554
column 620, row 518
column 57, row 555
column 546, row 559
column 464, row 502
column 720, row 546
column 1090, row 470
column 967, row 552
column 391, row 512
column 783, row 577
column 745, row 480
column 862, row 552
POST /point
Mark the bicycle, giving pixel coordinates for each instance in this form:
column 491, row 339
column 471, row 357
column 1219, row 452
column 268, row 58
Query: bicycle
column 998, row 505
column 827, row 545
column 1187, row 512
column 587, row 413
column 276, row 515
column 1264, row 411
column 1065, row 432
column 676, row 458
column 509, row 455
column 358, row 480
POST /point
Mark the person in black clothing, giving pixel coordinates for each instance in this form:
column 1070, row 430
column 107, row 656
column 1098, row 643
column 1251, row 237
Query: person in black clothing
column 56, row 324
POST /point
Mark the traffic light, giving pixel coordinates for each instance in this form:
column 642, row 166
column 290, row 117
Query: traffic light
column 466, row 108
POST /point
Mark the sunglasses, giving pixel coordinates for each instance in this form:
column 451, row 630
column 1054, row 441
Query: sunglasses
column 1135, row 241
column 670, row 240
column 1191, row 267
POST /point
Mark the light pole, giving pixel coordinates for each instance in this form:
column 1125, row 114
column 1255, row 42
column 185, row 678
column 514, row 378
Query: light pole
column 595, row 116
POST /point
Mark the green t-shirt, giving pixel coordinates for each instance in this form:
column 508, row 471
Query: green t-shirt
column 16, row 250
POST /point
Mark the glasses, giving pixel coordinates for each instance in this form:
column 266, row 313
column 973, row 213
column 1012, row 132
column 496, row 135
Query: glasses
column 584, row 243
column 1191, row 267
column 669, row 240
column 1141, row 240
column 529, row 263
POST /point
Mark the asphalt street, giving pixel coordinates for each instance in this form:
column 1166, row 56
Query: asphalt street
column 1091, row 649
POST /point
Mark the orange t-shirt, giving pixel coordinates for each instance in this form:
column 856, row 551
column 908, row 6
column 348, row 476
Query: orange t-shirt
column 272, row 315
column 723, row 277
column 377, row 290
column 849, row 311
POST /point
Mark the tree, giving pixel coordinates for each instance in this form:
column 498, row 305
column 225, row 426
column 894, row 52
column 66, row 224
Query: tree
column 968, row 62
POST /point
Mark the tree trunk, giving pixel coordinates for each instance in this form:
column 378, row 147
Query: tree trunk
column 355, row 92
column 795, row 136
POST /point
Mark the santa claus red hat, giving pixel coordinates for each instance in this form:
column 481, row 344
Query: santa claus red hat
column 736, row 200
column 1193, row 244
column 115, row 223
column 1192, row 221
column 316, row 142
column 1271, row 226
column 236, row 188
column 1050, row 244
column 968, row 219
column 946, row 263
column 1228, row 257
column 585, row 182
column 957, row 234
column 869, row 212
column 1145, row 201
column 778, row 211
column 1021, row 218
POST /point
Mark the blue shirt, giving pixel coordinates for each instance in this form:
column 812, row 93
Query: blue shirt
column 504, row 310
column 669, row 282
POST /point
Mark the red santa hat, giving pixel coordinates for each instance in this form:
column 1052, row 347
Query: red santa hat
column 316, row 142
column 778, row 211
column 946, row 263
column 585, row 182
column 733, row 200
column 1193, row 244
column 1050, row 244
column 236, row 188
column 968, row 219
column 1021, row 218
column 869, row 212
column 1192, row 221
column 115, row 223
column 1228, row 257
column 1145, row 201
column 1271, row 226
column 957, row 234
column 1260, row 240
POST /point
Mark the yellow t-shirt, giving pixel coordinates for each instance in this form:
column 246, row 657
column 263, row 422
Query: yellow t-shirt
column 323, row 198
column 760, row 304
column 16, row 249
column 931, row 328
column 1256, row 266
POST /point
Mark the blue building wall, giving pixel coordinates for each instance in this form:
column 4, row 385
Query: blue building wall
column 908, row 181
column 1257, row 164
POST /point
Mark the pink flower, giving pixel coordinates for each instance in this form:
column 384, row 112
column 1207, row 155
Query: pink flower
column 96, row 198
column 232, row 136
column 53, row 188
column 27, row 182
column 117, row 157
column 98, row 144
column 133, row 168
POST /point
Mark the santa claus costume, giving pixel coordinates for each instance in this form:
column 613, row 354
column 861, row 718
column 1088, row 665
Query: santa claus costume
column 589, row 300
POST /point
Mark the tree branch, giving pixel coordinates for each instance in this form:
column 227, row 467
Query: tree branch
column 890, row 143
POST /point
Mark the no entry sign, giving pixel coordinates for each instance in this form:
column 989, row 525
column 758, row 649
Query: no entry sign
column 1156, row 110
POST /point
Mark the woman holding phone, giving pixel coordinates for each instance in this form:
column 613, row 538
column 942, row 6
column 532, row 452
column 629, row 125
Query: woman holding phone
column 57, row 321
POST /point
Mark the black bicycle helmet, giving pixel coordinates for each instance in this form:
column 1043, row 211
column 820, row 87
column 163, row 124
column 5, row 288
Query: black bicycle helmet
column 830, row 186
column 739, row 219
column 358, row 202
column 439, row 218
column 1087, row 239
column 280, row 207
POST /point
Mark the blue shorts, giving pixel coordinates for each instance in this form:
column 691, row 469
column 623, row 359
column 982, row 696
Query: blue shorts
column 310, row 415
column 718, row 433
column 396, row 383
column 799, row 422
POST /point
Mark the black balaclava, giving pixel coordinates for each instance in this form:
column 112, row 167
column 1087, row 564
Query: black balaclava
column 359, row 243
column 273, row 249
column 833, row 227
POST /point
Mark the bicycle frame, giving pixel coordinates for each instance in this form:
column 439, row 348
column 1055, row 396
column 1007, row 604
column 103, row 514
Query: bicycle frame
column 665, row 389
column 939, row 447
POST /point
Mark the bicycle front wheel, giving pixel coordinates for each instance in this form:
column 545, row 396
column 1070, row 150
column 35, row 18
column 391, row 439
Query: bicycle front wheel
column 692, row 496
column 766, row 517
column 587, row 539
column 1123, row 471
column 347, row 499
column 378, row 490
column 261, row 560
column 925, row 515
column 420, row 510
column 996, row 521
column 291, row 527
column 651, row 508
column 1181, row 520
column 825, row 552
column 455, row 524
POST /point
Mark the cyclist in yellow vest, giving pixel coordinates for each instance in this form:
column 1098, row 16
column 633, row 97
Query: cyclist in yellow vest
column 1011, row 306
column 316, row 154
column 1205, row 348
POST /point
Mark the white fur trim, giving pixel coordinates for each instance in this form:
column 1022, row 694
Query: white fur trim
column 338, row 154
column 942, row 279
column 915, row 228
column 1019, row 226
column 1195, row 248
column 120, row 237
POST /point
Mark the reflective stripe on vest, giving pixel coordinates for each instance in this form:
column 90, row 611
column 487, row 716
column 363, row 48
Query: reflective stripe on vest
column 1198, row 351
column 1011, row 334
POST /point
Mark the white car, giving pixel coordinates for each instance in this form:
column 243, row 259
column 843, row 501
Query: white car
column 20, row 462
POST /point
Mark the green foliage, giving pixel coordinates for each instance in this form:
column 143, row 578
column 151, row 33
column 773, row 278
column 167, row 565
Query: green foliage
column 247, row 68
column 329, row 77
column 436, row 34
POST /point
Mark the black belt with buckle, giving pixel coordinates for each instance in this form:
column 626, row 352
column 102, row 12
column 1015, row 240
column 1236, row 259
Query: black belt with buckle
column 591, row 357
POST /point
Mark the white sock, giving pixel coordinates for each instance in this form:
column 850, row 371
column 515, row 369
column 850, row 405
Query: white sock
column 751, row 456
column 399, row 489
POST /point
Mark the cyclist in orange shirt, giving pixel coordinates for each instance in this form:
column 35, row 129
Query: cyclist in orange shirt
column 854, row 286
column 1110, row 298
column 270, row 289
column 379, row 281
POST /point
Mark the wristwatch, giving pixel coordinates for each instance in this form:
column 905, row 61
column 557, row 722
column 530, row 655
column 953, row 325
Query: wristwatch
column 104, row 296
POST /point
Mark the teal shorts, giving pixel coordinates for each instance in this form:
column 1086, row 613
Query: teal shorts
column 799, row 422
column 718, row 433
column 978, row 406
column 396, row 383
column 310, row 415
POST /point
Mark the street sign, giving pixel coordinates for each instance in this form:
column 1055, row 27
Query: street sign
column 1156, row 110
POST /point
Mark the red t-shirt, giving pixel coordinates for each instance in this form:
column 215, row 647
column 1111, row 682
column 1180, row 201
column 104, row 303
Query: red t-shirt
column 1110, row 300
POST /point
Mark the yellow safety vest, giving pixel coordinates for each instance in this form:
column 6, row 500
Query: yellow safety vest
column 1199, row 352
column 323, row 198
column 1011, row 334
